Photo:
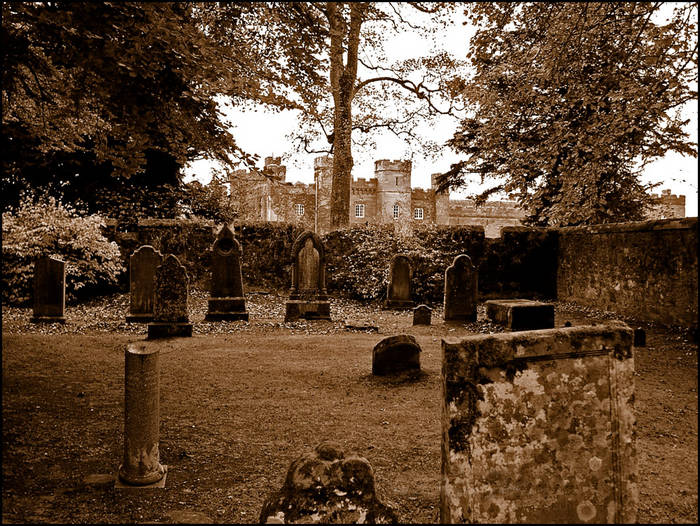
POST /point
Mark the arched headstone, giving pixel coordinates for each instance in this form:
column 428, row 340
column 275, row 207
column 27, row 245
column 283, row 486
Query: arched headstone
column 227, row 301
column 170, row 317
column 396, row 354
column 398, row 294
column 49, row 290
column 460, row 290
column 307, row 296
column 142, row 270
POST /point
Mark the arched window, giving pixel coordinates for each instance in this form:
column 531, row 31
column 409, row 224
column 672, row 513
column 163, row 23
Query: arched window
column 396, row 211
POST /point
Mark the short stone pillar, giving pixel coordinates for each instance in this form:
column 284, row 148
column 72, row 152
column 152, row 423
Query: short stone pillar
column 421, row 315
column 49, row 290
column 227, row 301
column 326, row 486
column 170, row 317
column 141, row 463
column 539, row 427
column 521, row 314
column 396, row 354
column 142, row 270
column 398, row 292
column 461, row 290
column 308, row 297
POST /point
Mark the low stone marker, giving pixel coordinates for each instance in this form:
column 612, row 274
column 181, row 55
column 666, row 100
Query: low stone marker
column 396, row 354
column 398, row 294
column 461, row 292
column 421, row 315
column 49, row 291
column 141, row 463
column 227, row 301
column 142, row 270
column 640, row 337
column 521, row 314
column 308, row 297
column 538, row 427
column 170, row 317
column 328, row 487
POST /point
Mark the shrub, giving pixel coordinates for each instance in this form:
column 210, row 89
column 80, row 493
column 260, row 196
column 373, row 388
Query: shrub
column 43, row 226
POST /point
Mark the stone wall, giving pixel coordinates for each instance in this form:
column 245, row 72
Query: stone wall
column 647, row 270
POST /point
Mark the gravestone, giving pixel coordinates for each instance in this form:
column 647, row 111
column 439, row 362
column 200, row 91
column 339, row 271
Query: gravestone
column 227, row 301
column 421, row 315
column 398, row 294
column 170, row 317
column 326, row 486
column 521, row 314
column 396, row 354
column 141, row 462
column 49, row 291
column 142, row 270
column 538, row 427
column 461, row 290
column 308, row 297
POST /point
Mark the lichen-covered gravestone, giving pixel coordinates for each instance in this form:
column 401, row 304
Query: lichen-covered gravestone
column 421, row 315
column 538, row 427
column 398, row 294
column 142, row 271
column 227, row 301
column 49, row 290
column 396, row 354
column 170, row 317
column 461, row 290
column 325, row 486
column 308, row 297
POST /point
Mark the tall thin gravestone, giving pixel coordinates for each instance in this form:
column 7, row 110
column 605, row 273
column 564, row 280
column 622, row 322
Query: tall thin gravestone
column 539, row 427
column 227, row 301
column 461, row 290
column 170, row 317
column 308, row 297
column 142, row 270
column 398, row 295
column 141, row 462
column 49, row 290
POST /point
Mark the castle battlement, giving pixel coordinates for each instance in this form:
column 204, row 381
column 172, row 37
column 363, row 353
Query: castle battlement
column 395, row 165
column 323, row 161
column 421, row 193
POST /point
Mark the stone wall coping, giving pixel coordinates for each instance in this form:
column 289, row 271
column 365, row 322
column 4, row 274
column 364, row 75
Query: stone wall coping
column 684, row 223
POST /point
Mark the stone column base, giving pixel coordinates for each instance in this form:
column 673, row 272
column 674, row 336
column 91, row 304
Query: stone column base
column 229, row 309
column 160, row 483
column 398, row 304
column 161, row 329
column 308, row 310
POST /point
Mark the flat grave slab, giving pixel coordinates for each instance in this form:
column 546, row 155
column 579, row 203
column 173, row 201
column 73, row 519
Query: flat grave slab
column 521, row 314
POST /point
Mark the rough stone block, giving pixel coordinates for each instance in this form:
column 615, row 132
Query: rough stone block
column 538, row 427
column 308, row 310
column 228, row 309
column 396, row 354
column 521, row 314
column 421, row 315
column 158, row 330
column 326, row 486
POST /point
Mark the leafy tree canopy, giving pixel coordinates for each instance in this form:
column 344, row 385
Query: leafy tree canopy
column 571, row 100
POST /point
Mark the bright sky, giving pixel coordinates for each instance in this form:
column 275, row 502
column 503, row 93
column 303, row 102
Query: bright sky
column 266, row 133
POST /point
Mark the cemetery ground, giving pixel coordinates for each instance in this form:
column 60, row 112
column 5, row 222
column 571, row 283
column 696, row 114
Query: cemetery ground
column 241, row 400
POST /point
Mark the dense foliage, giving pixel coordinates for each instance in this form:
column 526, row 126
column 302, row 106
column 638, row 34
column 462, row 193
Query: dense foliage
column 43, row 226
column 571, row 100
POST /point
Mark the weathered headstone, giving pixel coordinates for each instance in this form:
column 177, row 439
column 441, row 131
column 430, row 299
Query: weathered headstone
column 421, row 315
column 170, row 317
column 141, row 463
column 142, row 271
column 49, row 290
column 521, row 314
column 396, row 354
column 461, row 290
column 539, row 427
column 308, row 297
column 227, row 301
column 325, row 486
column 398, row 294
column 640, row 337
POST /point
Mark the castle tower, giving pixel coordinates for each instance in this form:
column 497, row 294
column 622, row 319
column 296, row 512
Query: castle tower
column 442, row 203
column 323, row 178
column 393, row 191
column 274, row 166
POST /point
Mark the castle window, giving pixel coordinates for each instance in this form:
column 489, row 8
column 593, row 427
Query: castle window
column 418, row 213
column 299, row 209
column 397, row 181
column 396, row 211
column 360, row 210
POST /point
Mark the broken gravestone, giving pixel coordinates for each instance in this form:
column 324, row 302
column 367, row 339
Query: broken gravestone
column 538, row 427
column 49, row 290
column 227, row 301
column 396, row 354
column 398, row 294
column 521, row 314
column 421, row 315
column 170, row 317
column 142, row 269
column 460, row 290
column 308, row 297
column 328, row 487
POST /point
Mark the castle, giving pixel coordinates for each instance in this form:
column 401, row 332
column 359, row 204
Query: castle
column 385, row 198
